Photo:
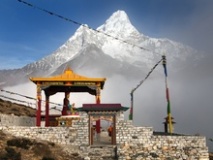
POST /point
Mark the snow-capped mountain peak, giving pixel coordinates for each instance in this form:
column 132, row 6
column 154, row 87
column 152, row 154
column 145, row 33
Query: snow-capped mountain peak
column 84, row 39
column 118, row 24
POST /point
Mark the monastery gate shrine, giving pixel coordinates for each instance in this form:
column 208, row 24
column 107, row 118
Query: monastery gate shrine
column 67, row 83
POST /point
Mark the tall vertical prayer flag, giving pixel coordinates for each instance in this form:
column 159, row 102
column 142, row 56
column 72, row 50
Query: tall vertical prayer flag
column 167, row 95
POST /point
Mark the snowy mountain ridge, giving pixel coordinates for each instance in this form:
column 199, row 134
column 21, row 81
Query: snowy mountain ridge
column 117, row 26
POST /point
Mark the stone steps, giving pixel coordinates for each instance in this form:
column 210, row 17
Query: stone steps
column 102, row 153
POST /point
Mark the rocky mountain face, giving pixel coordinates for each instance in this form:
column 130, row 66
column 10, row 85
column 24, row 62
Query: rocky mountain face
column 88, row 50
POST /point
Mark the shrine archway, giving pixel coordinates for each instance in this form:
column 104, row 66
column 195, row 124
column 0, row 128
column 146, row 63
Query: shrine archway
column 107, row 111
column 67, row 82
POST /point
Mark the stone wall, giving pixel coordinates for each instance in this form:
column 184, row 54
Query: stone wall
column 12, row 120
column 141, row 143
column 127, row 133
column 82, row 127
column 138, row 143
column 76, row 135
column 60, row 135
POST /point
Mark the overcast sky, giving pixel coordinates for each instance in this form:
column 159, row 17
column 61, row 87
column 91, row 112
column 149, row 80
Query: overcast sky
column 28, row 34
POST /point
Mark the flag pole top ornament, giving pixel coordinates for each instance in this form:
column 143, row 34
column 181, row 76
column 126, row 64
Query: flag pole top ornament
column 164, row 59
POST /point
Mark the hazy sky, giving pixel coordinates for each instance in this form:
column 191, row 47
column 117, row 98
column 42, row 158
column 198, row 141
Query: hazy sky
column 28, row 34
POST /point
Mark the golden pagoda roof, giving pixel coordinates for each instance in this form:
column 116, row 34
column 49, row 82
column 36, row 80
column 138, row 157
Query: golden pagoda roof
column 69, row 82
column 68, row 75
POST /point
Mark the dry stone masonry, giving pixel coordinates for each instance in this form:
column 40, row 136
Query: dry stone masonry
column 141, row 143
column 12, row 120
column 132, row 143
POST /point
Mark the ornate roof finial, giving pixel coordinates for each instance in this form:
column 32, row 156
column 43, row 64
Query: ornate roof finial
column 68, row 70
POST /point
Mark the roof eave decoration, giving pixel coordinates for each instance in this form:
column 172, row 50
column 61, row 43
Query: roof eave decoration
column 102, row 107
column 68, row 76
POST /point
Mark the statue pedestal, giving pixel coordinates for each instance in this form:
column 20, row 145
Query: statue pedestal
column 66, row 121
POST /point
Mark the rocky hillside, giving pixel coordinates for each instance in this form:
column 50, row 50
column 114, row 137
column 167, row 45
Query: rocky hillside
column 7, row 107
column 13, row 148
column 16, row 148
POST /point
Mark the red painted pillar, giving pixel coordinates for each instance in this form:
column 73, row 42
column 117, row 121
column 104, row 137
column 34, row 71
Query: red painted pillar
column 38, row 112
column 47, row 123
column 98, row 101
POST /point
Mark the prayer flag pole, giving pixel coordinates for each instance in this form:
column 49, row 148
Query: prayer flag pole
column 169, row 116
column 131, row 109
